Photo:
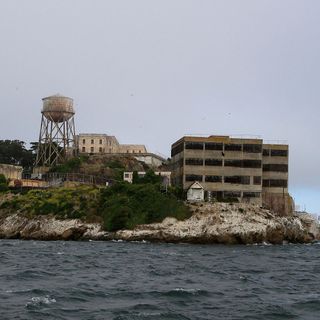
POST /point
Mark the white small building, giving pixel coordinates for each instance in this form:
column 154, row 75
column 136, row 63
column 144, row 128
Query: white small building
column 195, row 192
column 166, row 176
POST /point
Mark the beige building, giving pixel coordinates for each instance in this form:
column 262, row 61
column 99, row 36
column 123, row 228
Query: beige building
column 229, row 167
column 11, row 172
column 94, row 143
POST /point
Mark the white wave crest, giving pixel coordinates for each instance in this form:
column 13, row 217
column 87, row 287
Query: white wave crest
column 35, row 301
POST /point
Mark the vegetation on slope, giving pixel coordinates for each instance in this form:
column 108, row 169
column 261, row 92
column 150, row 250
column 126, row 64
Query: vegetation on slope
column 126, row 205
column 3, row 183
column 120, row 206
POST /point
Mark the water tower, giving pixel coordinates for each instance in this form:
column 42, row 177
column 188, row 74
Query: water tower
column 57, row 131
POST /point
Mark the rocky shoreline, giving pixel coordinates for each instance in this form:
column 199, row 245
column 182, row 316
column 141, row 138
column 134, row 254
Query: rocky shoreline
column 210, row 223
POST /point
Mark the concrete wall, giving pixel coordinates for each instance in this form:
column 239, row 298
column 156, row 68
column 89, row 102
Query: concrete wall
column 152, row 160
column 11, row 172
column 282, row 203
column 132, row 148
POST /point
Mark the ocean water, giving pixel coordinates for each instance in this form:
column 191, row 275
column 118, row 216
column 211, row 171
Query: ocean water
column 118, row 280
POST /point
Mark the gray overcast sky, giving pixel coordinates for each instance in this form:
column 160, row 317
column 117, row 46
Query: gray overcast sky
column 152, row 71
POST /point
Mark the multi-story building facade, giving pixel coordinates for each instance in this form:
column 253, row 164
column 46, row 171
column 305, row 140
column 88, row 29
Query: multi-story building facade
column 229, row 167
column 94, row 143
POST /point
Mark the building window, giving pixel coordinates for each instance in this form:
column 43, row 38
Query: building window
column 232, row 147
column 213, row 179
column 252, row 148
column 232, row 194
column 257, row 180
column 275, row 183
column 251, row 194
column 194, row 162
column 214, row 146
column 100, row 141
column 92, row 141
column 266, row 152
column 126, row 175
column 92, row 149
column 83, row 149
column 279, row 153
column 193, row 177
column 177, row 149
column 233, row 163
column 275, row 167
column 237, row 179
column 252, row 164
column 194, row 145
column 100, row 149
column 83, row 141
column 213, row 162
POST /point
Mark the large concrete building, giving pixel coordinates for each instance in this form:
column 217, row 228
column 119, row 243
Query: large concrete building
column 229, row 167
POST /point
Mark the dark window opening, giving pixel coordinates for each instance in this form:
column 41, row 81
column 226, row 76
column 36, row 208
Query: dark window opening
column 233, row 163
column 279, row 153
column 252, row 148
column 193, row 177
column 194, row 162
column 232, row 194
column 213, row 146
column 257, row 180
column 252, row 163
column 213, row 179
column 233, row 147
column 266, row 152
column 213, row 162
column 237, row 179
column 251, row 194
column 275, row 167
column 194, row 145
column 177, row 149
column 275, row 183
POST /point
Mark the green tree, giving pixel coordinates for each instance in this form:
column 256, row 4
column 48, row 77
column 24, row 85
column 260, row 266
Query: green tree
column 15, row 152
column 3, row 183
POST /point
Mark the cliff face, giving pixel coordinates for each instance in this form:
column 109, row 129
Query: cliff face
column 228, row 224
column 210, row 223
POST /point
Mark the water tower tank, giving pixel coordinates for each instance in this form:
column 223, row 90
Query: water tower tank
column 58, row 108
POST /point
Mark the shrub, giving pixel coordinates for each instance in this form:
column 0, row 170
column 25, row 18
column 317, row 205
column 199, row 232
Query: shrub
column 143, row 203
column 3, row 179
column 3, row 184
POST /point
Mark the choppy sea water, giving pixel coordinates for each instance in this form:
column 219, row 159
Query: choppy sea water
column 118, row 280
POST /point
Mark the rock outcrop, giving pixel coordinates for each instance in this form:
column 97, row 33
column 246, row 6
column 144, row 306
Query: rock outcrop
column 209, row 223
column 228, row 224
column 17, row 226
